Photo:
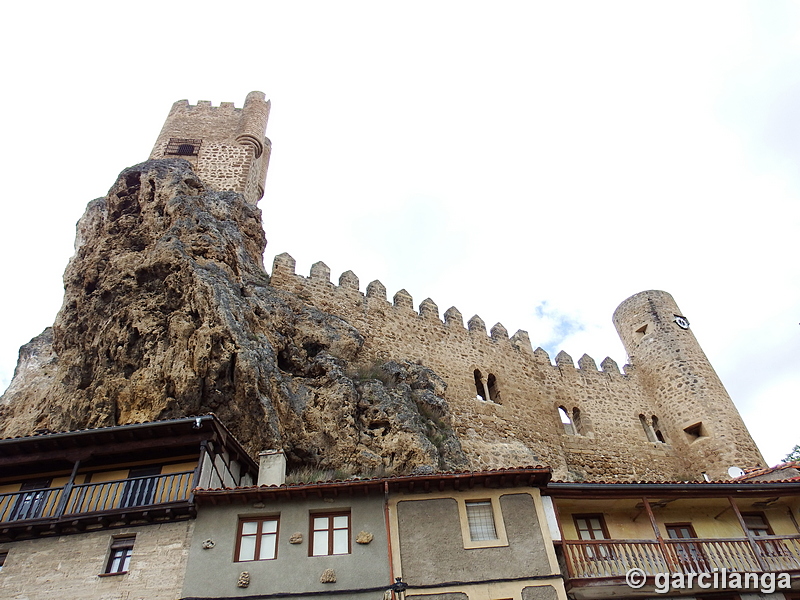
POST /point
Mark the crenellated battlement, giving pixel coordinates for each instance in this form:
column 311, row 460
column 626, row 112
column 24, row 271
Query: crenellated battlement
column 666, row 413
column 226, row 145
column 512, row 403
column 373, row 305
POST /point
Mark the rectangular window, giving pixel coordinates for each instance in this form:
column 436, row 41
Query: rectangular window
column 30, row 505
column 258, row 539
column 481, row 521
column 593, row 527
column 480, row 518
column 119, row 557
column 182, row 147
column 330, row 534
column 757, row 524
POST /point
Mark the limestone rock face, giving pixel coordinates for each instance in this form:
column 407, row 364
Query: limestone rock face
column 168, row 312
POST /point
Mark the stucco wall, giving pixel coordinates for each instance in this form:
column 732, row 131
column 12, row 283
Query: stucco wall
column 213, row 572
column 432, row 546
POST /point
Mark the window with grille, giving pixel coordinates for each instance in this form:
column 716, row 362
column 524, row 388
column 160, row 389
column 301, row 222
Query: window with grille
column 480, row 518
column 330, row 534
column 119, row 557
column 258, row 539
column 182, row 147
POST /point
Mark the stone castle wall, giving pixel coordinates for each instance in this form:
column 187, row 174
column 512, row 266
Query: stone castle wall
column 675, row 373
column 613, row 433
column 233, row 153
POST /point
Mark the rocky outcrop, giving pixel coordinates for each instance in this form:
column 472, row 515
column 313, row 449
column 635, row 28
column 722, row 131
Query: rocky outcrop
column 168, row 312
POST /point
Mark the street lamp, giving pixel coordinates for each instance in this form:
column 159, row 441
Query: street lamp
column 399, row 588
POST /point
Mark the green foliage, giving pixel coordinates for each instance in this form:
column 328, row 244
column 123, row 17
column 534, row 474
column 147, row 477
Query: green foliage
column 310, row 474
column 371, row 372
column 436, row 429
column 793, row 455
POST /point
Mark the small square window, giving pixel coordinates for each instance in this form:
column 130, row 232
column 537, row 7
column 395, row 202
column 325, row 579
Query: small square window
column 481, row 523
column 119, row 557
column 480, row 518
column 329, row 534
column 257, row 540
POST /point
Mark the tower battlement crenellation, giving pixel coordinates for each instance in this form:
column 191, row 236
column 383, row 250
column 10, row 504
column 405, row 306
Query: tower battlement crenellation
column 498, row 384
column 347, row 301
column 225, row 145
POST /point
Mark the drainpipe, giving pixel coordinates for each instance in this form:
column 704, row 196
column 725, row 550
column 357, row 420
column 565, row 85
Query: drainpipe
column 388, row 532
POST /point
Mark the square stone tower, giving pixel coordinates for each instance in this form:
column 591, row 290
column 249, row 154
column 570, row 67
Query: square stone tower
column 226, row 146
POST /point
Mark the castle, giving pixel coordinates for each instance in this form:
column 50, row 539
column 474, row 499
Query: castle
column 115, row 483
column 666, row 416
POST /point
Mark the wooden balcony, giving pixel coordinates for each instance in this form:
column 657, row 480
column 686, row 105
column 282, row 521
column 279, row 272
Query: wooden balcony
column 601, row 565
column 77, row 506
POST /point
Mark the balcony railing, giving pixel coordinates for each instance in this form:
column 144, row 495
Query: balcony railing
column 71, row 500
column 594, row 559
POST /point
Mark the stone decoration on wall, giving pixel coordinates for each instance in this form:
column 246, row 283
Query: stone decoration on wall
column 296, row 538
column 244, row 580
column 208, row 544
column 328, row 576
column 364, row 537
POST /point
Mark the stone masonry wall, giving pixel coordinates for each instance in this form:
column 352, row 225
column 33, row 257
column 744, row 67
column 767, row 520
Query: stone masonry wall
column 522, row 426
column 67, row 567
column 234, row 153
column 674, row 371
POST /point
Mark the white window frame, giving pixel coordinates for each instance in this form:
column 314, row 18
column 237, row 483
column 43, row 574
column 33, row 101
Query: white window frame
column 120, row 552
column 258, row 537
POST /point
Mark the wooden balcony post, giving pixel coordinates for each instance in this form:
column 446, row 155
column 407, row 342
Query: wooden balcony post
column 198, row 470
column 753, row 545
column 65, row 493
column 664, row 550
column 564, row 550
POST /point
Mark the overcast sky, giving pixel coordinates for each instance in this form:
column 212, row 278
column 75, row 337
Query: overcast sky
column 535, row 163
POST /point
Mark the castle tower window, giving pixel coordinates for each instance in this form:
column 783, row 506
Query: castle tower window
column 479, row 387
column 182, row 147
column 657, row 430
column 576, row 421
column 695, row 432
column 494, row 392
column 648, row 430
column 569, row 428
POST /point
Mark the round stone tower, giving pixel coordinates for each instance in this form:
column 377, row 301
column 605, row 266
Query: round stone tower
column 686, row 392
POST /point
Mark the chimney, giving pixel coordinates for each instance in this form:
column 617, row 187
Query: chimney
column 271, row 467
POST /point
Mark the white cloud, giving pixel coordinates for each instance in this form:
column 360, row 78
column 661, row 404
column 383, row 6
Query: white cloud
column 492, row 158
